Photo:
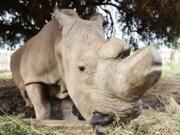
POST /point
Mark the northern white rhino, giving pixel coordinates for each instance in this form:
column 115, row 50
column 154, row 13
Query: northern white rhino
column 70, row 56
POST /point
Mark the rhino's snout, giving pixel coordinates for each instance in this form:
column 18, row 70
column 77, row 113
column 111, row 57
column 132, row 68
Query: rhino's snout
column 99, row 121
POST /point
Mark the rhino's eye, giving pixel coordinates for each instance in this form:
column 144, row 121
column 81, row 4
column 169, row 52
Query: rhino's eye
column 81, row 68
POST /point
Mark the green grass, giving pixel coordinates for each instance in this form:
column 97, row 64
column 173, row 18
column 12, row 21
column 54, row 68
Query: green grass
column 171, row 68
column 164, row 78
column 14, row 125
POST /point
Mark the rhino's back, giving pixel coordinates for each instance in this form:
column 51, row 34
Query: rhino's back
column 38, row 62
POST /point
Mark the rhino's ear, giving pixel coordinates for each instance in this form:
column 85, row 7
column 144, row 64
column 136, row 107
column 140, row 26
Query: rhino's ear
column 98, row 18
column 65, row 16
column 70, row 12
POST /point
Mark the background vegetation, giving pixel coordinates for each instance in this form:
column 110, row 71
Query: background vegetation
column 152, row 20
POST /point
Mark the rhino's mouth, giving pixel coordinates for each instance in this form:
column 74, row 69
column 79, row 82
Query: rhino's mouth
column 99, row 121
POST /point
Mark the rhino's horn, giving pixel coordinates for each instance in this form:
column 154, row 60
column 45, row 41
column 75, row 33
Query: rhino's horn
column 139, row 72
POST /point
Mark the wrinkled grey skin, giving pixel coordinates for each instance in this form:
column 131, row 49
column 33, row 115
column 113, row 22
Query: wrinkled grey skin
column 72, row 53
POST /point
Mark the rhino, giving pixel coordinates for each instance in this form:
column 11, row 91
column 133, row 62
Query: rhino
column 71, row 57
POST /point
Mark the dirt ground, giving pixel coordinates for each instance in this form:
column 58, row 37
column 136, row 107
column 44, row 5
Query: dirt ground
column 11, row 101
column 168, row 85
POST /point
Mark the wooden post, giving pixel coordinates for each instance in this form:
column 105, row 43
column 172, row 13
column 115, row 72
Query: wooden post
column 62, row 126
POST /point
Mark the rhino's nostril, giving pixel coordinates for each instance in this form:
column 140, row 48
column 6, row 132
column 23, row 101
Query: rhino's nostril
column 81, row 68
column 101, row 119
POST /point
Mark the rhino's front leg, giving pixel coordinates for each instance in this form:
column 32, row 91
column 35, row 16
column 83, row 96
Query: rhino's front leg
column 39, row 100
column 26, row 98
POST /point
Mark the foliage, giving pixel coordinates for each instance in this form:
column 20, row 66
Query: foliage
column 157, row 19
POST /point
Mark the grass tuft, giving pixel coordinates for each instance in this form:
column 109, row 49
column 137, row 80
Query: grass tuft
column 14, row 125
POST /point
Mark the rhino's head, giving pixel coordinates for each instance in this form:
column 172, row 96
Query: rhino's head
column 101, row 82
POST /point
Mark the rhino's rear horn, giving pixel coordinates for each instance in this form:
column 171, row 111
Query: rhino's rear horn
column 114, row 48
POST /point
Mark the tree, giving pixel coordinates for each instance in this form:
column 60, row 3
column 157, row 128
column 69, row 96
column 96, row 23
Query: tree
column 151, row 19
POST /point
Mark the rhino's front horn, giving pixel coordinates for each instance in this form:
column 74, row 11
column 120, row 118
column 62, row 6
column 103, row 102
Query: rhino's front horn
column 114, row 48
column 137, row 73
